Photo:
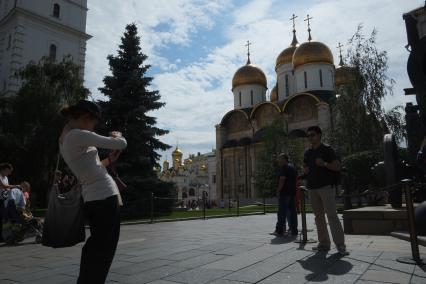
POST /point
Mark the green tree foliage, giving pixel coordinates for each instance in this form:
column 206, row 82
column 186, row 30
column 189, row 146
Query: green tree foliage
column 130, row 102
column 276, row 141
column 30, row 124
column 360, row 119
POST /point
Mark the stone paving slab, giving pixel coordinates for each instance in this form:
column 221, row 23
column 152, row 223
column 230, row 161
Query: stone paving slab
column 218, row 251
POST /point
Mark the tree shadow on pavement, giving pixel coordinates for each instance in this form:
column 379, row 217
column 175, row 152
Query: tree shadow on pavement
column 321, row 266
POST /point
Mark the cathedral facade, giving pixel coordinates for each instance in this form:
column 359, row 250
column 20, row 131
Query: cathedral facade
column 193, row 177
column 303, row 95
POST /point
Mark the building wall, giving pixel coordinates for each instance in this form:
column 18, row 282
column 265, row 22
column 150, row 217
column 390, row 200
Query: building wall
column 245, row 92
column 283, row 71
column 313, row 77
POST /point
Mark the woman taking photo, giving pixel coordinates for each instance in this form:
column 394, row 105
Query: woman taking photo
column 102, row 200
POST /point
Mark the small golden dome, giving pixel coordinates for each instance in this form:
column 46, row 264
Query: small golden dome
column 249, row 74
column 177, row 152
column 188, row 161
column 203, row 167
column 312, row 52
column 274, row 94
column 286, row 56
column 344, row 75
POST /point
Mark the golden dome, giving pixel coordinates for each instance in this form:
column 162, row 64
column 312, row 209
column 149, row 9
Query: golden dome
column 344, row 75
column 188, row 161
column 177, row 152
column 311, row 52
column 274, row 94
column 249, row 74
column 286, row 56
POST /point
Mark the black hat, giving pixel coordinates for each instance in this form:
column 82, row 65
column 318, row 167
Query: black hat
column 91, row 107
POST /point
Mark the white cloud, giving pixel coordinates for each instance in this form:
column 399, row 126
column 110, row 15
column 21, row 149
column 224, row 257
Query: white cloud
column 199, row 94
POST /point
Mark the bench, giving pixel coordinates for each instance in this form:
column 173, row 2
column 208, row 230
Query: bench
column 404, row 235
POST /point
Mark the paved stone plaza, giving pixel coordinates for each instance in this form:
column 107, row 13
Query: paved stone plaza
column 219, row 251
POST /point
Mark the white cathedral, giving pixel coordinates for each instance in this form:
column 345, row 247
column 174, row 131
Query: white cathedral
column 30, row 30
column 303, row 96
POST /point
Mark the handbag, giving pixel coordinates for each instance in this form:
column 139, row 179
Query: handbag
column 64, row 221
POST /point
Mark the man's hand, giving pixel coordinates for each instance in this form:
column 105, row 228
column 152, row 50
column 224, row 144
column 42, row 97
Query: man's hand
column 305, row 170
column 319, row 162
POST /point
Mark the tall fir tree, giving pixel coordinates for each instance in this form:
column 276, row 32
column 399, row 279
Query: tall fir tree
column 130, row 101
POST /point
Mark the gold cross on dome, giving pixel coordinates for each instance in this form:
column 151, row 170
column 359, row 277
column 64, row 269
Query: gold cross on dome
column 309, row 26
column 248, row 51
column 340, row 52
column 294, row 22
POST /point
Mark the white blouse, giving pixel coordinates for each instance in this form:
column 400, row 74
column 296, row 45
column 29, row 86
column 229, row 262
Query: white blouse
column 78, row 149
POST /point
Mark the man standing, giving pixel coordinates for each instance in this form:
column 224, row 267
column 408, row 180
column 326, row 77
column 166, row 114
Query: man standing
column 286, row 192
column 320, row 167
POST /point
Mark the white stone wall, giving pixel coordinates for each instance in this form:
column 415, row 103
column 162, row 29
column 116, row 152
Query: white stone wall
column 259, row 95
column 282, row 71
column 211, row 163
column 32, row 29
column 72, row 13
column 6, row 6
column 313, row 77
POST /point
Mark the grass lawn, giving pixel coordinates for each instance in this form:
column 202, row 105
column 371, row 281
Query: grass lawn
column 215, row 212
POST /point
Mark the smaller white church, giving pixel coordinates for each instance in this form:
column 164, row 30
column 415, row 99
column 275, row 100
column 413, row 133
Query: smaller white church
column 30, row 30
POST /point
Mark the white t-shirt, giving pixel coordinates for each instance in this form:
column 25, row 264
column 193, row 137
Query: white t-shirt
column 4, row 180
column 79, row 151
column 17, row 195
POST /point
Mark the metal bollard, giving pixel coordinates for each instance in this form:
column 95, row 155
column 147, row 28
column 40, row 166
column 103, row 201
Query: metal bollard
column 238, row 205
column 415, row 254
column 264, row 203
column 304, row 236
column 152, row 207
column 204, row 206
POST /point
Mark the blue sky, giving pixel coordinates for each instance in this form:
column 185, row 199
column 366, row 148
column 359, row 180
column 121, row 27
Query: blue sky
column 195, row 46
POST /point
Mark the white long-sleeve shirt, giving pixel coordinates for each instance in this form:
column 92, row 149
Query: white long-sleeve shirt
column 78, row 149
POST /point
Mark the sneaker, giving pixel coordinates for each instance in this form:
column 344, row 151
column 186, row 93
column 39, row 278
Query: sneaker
column 342, row 252
column 275, row 233
column 321, row 248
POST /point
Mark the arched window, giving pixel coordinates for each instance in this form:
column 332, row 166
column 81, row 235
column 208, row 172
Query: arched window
column 320, row 76
column 239, row 99
column 251, row 97
column 191, row 192
column 287, row 87
column 56, row 10
column 9, row 42
column 306, row 79
column 52, row 52
column 184, row 195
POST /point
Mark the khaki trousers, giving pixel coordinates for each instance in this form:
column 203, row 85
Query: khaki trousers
column 323, row 202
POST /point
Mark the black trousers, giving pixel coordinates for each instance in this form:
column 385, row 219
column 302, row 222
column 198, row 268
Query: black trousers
column 98, row 251
column 1, row 219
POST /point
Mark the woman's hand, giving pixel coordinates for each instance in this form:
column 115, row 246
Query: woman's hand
column 114, row 155
column 115, row 134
